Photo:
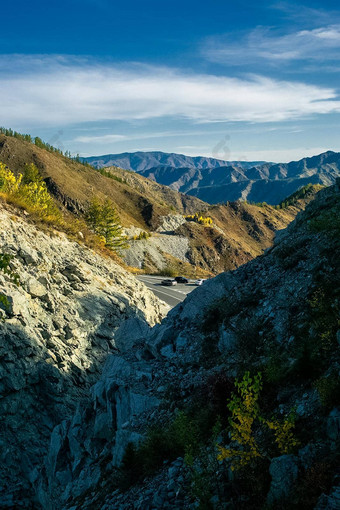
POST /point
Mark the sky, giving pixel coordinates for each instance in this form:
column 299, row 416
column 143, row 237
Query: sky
column 232, row 80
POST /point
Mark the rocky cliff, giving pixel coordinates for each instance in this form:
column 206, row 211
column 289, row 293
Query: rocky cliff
column 278, row 316
column 57, row 328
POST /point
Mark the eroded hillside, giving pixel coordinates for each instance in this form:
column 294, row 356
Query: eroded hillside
column 74, row 185
column 238, row 232
column 272, row 324
column 60, row 306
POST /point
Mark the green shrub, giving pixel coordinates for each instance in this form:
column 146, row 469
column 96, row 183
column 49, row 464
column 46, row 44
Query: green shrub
column 305, row 191
column 29, row 191
column 142, row 236
column 103, row 219
column 329, row 390
column 245, row 410
column 246, row 419
column 110, row 175
column 8, row 182
column 168, row 271
column 181, row 437
column 328, row 221
column 31, row 174
column 5, row 260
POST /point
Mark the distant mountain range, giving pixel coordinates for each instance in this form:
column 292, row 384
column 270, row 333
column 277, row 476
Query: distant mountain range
column 217, row 181
column 143, row 161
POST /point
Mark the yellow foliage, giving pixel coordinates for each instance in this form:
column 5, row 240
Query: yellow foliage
column 283, row 432
column 245, row 412
column 202, row 220
column 8, row 182
column 33, row 195
column 37, row 195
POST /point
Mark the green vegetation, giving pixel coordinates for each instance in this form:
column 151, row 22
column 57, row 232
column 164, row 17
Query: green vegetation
column 110, row 175
column 303, row 192
column 15, row 134
column 245, row 417
column 327, row 221
column 169, row 270
column 142, row 236
column 28, row 190
column 192, row 428
column 257, row 204
column 328, row 388
column 42, row 145
column 104, row 221
column 245, row 410
column 5, row 260
column 181, row 437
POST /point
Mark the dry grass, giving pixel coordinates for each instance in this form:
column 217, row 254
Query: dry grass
column 139, row 202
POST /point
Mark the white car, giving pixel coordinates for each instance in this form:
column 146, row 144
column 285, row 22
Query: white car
column 168, row 283
column 200, row 281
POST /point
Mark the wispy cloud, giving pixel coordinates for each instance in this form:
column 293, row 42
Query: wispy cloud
column 305, row 14
column 266, row 44
column 46, row 91
column 100, row 139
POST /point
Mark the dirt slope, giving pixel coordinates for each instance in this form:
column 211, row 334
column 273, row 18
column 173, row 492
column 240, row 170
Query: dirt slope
column 74, row 185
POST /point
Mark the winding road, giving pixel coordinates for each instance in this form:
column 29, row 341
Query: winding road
column 171, row 295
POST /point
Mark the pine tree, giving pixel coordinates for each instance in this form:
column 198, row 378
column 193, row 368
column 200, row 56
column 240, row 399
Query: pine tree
column 31, row 174
column 104, row 220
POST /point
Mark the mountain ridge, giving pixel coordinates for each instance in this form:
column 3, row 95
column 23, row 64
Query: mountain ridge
column 143, row 160
column 238, row 233
column 219, row 182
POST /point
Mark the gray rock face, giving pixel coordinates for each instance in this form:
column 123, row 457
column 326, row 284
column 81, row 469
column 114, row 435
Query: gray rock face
column 153, row 249
column 198, row 340
column 333, row 425
column 254, row 301
column 170, row 223
column 284, row 471
column 100, row 430
column 331, row 501
column 58, row 330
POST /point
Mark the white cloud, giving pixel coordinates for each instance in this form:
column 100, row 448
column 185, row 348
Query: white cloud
column 44, row 91
column 100, row 139
column 321, row 44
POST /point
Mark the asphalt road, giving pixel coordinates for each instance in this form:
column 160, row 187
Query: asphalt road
column 171, row 295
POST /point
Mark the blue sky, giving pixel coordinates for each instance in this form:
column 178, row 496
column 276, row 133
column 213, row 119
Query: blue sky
column 250, row 81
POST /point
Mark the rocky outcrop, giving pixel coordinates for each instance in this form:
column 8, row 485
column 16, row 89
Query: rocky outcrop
column 155, row 250
column 55, row 335
column 238, row 319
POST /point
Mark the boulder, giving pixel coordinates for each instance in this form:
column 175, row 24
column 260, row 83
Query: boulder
column 333, row 425
column 284, row 472
column 36, row 288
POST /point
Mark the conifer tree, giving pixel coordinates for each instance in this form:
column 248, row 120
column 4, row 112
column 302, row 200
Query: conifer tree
column 104, row 220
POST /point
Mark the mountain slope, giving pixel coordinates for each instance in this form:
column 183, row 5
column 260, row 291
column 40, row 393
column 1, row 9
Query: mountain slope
column 238, row 234
column 269, row 183
column 277, row 316
column 55, row 335
column 215, row 181
column 74, row 185
column 142, row 161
